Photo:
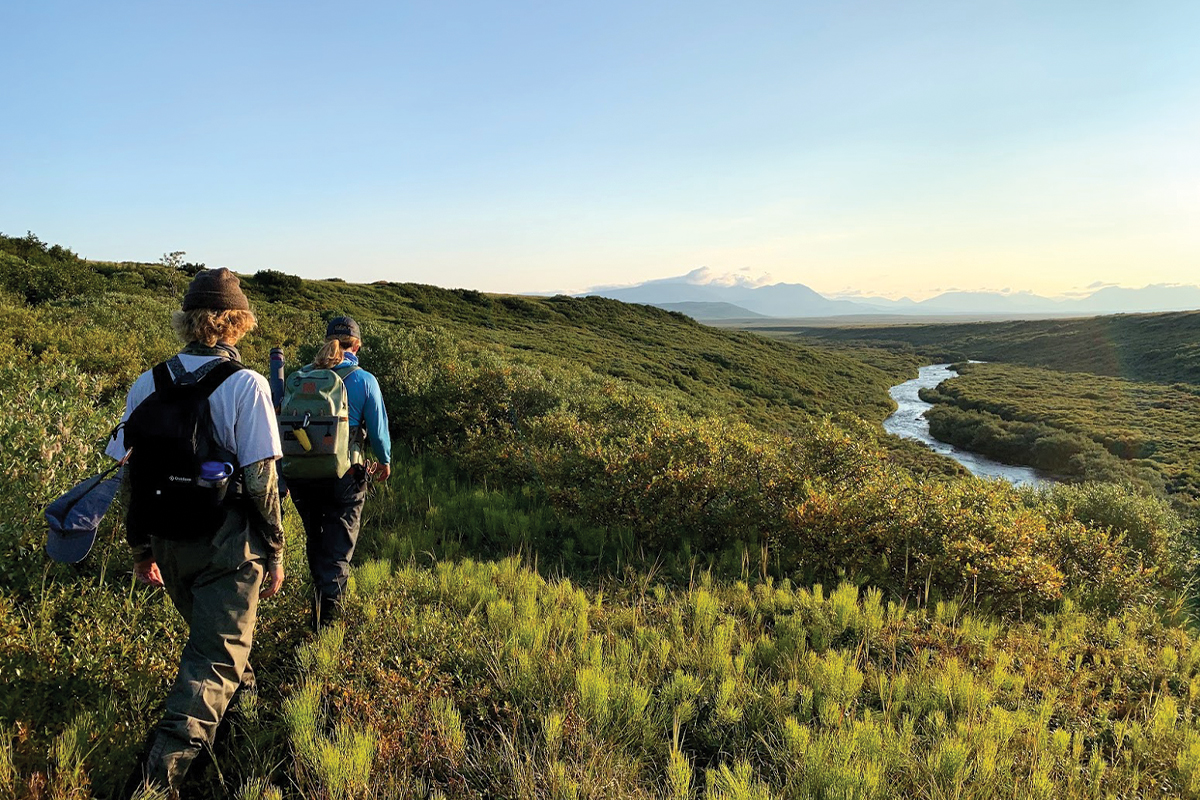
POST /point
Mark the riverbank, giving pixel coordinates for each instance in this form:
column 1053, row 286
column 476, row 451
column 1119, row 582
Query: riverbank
column 1083, row 427
column 908, row 422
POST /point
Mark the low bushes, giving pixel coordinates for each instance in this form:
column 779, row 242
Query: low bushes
column 818, row 504
column 673, row 654
column 1085, row 426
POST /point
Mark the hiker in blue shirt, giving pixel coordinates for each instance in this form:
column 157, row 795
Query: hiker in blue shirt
column 331, row 508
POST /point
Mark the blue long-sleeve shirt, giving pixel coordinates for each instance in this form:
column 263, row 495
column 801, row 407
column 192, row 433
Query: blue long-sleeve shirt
column 366, row 408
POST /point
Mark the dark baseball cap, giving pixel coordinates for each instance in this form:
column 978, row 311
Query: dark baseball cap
column 342, row 326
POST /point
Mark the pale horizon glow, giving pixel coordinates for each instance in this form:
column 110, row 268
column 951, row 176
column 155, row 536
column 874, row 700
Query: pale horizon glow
column 744, row 277
column 864, row 147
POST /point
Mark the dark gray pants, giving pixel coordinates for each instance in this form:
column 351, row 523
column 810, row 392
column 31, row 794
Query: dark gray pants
column 214, row 585
column 331, row 510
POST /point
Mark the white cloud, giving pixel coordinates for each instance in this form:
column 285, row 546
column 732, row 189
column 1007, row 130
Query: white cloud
column 706, row 277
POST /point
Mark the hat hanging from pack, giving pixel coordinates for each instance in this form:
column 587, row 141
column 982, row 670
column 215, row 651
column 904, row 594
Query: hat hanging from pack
column 75, row 517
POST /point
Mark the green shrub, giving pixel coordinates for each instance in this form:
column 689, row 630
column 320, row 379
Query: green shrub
column 277, row 286
column 41, row 283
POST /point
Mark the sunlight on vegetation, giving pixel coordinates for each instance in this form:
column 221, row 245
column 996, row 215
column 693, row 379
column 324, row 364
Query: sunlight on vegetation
column 584, row 584
column 1088, row 426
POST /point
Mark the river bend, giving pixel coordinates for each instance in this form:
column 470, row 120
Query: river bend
column 908, row 422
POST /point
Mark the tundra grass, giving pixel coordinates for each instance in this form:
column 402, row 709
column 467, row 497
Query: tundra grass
column 459, row 677
column 584, row 587
column 1157, row 348
column 484, row 679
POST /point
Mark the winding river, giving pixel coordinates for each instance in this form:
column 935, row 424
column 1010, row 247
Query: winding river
column 908, row 421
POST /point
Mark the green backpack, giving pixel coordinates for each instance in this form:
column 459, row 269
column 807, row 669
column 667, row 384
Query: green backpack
column 314, row 423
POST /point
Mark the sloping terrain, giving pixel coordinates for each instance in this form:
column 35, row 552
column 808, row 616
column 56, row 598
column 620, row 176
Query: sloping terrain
column 588, row 580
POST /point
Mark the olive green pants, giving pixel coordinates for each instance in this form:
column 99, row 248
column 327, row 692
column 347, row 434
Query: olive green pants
column 214, row 585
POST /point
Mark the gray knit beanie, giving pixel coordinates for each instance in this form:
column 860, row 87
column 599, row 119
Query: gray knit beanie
column 215, row 289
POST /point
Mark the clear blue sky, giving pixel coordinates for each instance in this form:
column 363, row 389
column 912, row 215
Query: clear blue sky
column 893, row 147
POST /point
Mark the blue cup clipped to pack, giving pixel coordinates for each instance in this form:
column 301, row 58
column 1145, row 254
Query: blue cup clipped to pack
column 214, row 474
column 75, row 517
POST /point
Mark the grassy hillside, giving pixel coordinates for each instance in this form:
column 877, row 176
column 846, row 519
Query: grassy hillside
column 763, row 381
column 580, row 584
column 1160, row 348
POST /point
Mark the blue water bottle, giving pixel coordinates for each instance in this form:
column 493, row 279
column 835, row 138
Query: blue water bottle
column 275, row 378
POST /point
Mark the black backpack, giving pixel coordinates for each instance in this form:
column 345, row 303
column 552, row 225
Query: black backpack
column 170, row 434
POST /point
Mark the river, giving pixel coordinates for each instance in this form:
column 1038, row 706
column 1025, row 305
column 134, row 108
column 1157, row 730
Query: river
column 908, row 421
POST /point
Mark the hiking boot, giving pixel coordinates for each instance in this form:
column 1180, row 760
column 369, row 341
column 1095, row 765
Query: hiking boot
column 327, row 609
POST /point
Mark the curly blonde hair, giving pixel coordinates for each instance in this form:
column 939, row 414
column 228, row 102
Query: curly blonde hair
column 208, row 326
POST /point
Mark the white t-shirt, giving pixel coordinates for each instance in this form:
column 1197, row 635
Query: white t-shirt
column 242, row 413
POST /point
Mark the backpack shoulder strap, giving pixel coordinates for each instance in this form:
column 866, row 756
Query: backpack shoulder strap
column 343, row 371
column 163, row 384
column 214, row 377
column 203, row 380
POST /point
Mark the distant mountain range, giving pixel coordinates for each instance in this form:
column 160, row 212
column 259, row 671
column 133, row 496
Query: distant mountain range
column 706, row 300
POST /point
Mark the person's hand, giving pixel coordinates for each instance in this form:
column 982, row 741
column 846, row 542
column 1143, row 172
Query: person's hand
column 147, row 572
column 272, row 581
column 380, row 472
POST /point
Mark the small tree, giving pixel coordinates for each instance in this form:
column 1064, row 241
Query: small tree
column 174, row 259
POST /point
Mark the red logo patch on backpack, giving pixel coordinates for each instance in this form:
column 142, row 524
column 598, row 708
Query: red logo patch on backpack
column 309, row 388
